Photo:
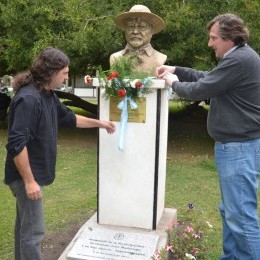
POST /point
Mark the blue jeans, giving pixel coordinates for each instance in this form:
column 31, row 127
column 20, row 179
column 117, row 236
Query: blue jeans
column 29, row 226
column 238, row 165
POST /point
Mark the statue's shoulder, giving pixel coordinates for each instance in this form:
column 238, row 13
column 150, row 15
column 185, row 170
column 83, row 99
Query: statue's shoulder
column 115, row 56
column 159, row 54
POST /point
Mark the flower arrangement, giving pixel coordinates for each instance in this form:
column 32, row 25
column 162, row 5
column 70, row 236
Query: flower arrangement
column 187, row 239
column 122, row 81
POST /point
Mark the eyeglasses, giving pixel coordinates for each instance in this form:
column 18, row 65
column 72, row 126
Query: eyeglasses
column 138, row 27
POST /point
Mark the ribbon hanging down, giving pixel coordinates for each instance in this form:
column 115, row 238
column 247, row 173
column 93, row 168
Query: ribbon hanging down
column 124, row 118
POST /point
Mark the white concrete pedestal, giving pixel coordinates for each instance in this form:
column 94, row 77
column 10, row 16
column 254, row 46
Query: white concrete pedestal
column 131, row 183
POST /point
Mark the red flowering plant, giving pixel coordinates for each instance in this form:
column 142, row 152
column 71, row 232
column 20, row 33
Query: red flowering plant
column 122, row 82
column 188, row 238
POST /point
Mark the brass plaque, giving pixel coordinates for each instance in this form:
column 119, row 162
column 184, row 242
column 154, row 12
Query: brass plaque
column 134, row 115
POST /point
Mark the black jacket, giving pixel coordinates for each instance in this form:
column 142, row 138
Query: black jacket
column 34, row 118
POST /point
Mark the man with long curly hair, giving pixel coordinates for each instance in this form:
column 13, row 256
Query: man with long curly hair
column 34, row 117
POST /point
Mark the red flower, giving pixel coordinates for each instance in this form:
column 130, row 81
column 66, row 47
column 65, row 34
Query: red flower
column 87, row 79
column 121, row 92
column 138, row 84
column 113, row 75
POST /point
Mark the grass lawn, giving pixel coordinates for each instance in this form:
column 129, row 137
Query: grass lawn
column 71, row 199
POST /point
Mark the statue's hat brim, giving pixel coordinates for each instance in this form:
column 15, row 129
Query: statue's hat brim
column 143, row 12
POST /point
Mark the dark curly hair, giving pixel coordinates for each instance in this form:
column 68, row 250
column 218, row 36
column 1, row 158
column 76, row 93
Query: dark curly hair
column 49, row 62
column 231, row 27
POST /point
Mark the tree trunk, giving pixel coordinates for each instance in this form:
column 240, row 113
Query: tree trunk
column 75, row 101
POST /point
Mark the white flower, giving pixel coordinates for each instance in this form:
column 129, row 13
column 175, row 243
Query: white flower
column 190, row 256
column 132, row 83
column 102, row 82
column 109, row 83
column 209, row 224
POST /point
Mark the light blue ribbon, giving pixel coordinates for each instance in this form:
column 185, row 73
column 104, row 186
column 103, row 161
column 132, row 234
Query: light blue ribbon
column 170, row 92
column 124, row 118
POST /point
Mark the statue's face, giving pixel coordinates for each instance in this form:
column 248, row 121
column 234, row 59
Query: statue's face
column 138, row 32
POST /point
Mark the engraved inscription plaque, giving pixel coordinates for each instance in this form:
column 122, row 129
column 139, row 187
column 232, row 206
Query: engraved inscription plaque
column 134, row 115
column 96, row 243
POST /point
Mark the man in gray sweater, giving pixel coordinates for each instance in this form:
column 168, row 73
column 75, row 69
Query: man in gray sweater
column 234, row 123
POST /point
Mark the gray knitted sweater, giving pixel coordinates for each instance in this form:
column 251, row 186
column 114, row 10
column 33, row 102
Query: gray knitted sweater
column 234, row 91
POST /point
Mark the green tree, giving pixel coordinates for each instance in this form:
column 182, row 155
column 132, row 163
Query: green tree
column 84, row 29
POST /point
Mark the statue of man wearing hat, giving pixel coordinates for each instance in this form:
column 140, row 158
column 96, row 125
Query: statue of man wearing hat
column 139, row 25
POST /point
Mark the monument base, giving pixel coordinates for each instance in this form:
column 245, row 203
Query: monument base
column 95, row 241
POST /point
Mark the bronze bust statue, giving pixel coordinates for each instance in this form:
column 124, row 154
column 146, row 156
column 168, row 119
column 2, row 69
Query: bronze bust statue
column 139, row 25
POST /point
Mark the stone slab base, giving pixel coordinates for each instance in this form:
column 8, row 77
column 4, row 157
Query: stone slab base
column 169, row 215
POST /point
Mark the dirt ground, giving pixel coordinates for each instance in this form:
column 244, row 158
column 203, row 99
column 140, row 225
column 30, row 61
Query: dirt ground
column 55, row 243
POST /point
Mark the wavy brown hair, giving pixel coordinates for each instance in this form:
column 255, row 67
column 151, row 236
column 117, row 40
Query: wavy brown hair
column 231, row 27
column 49, row 62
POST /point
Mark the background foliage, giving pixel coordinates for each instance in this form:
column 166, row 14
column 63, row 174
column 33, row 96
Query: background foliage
column 84, row 29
